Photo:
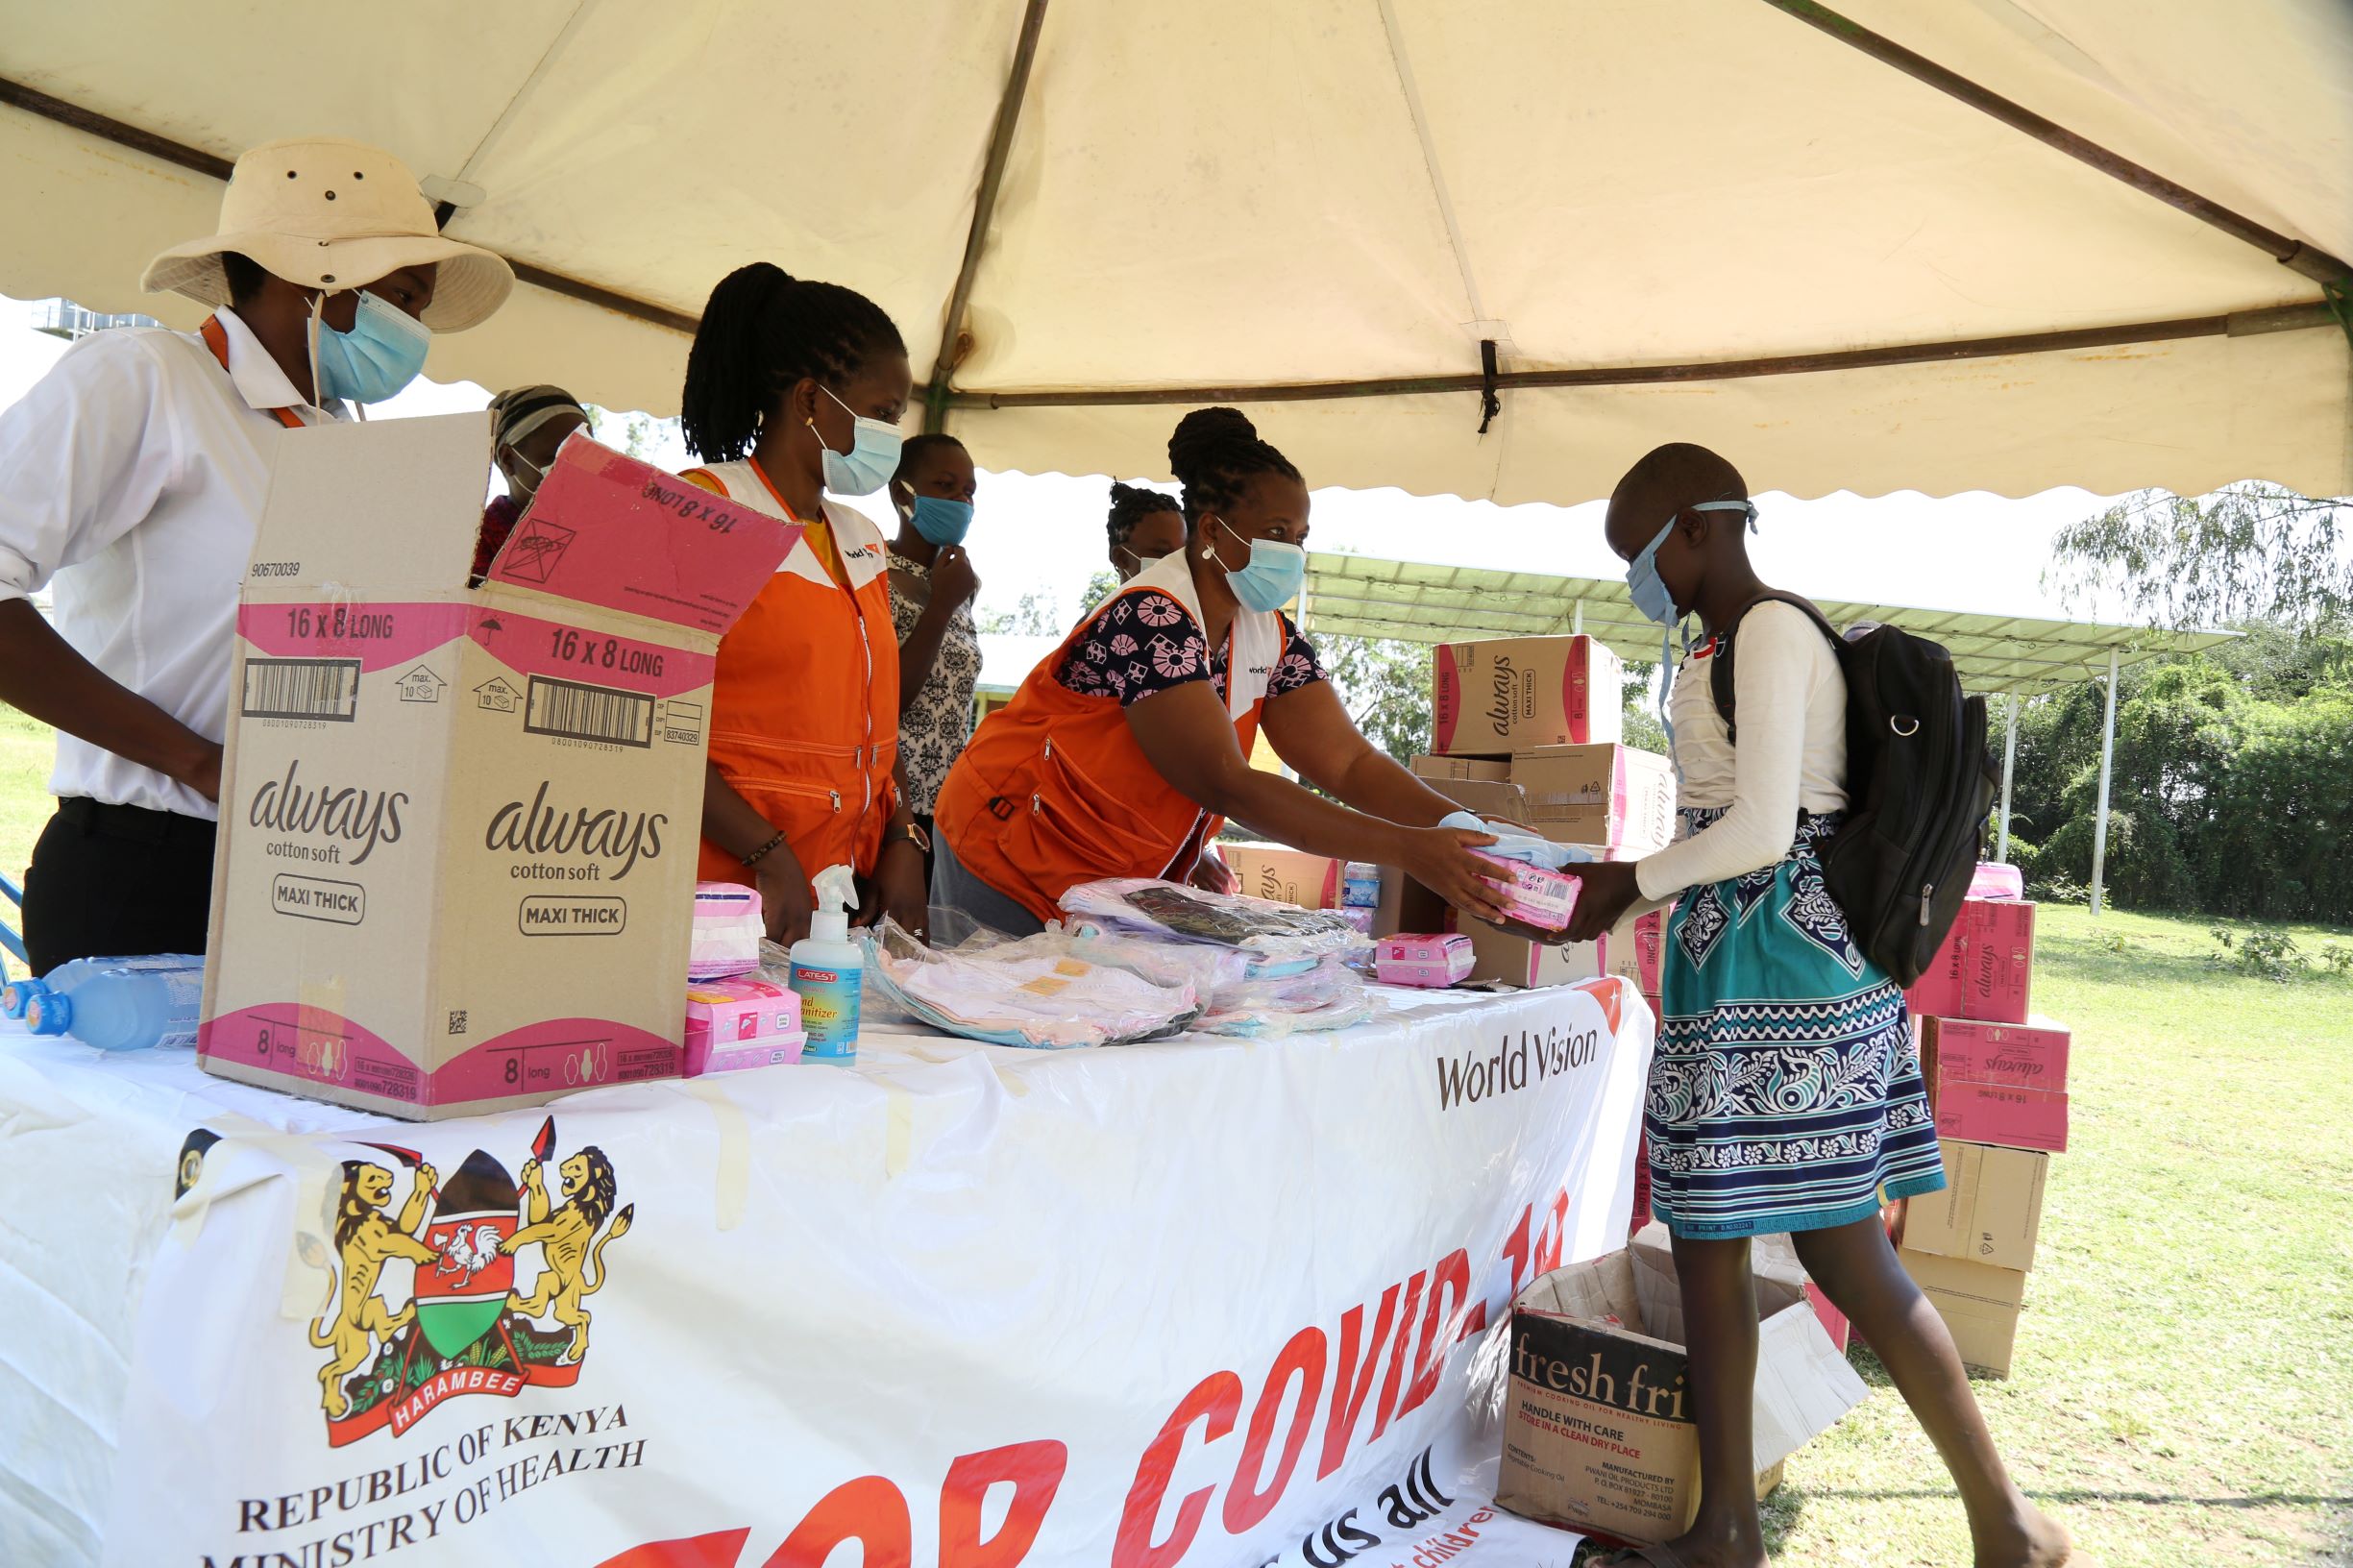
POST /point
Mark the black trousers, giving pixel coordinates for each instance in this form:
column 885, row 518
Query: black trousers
column 118, row 881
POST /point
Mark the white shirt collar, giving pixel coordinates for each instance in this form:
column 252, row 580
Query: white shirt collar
column 258, row 377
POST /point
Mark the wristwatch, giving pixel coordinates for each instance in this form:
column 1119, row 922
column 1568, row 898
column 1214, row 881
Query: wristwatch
column 913, row 833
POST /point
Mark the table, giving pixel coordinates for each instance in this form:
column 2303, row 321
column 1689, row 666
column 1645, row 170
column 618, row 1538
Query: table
column 1221, row 1302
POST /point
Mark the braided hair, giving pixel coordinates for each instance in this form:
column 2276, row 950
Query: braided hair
column 912, row 451
column 762, row 333
column 1214, row 453
column 1130, row 504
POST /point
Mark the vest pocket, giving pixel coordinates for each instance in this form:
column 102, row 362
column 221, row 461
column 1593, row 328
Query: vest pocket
column 1069, row 819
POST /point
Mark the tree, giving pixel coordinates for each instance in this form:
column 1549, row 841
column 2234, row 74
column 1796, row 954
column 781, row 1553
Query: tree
column 2248, row 553
column 1036, row 614
column 637, row 434
column 1385, row 685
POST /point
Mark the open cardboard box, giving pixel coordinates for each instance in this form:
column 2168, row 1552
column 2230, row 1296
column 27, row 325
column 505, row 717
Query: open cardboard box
column 1597, row 1428
column 460, row 826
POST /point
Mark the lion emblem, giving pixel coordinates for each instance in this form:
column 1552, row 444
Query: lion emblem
column 354, row 1318
column 575, row 1268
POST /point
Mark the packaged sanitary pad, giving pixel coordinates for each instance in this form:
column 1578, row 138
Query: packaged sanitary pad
column 728, row 932
column 1430, row 961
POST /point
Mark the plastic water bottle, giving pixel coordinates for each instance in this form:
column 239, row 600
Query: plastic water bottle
column 16, row 997
column 123, row 1009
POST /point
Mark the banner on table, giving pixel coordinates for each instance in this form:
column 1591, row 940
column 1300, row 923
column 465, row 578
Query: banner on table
column 1216, row 1304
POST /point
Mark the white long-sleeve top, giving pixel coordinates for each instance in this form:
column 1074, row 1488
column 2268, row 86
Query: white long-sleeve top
column 1791, row 699
column 132, row 477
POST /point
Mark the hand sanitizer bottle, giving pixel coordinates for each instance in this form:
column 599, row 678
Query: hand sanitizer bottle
column 829, row 970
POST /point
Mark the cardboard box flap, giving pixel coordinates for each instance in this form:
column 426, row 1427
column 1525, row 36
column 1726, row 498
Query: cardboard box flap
column 1596, row 1291
column 608, row 531
column 392, row 507
column 1804, row 1384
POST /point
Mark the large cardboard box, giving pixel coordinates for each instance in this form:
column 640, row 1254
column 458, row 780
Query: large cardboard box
column 1599, row 1433
column 2031, row 1055
column 1492, row 698
column 1937, row 992
column 1979, row 1302
column 1991, row 1209
column 1997, row 960
column 1616, row 797
column 458, row 827
column 1508, row 959
column 1635, row 948
column 1285, row 875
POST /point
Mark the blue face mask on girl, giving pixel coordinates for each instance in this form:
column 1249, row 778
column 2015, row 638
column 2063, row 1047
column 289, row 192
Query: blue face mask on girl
column 1653, row 597
column 941, row 522
column 382, row 352
column 872, row 460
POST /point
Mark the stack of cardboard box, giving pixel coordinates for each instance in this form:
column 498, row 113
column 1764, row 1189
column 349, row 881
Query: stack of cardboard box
column 1527, row 730
column 1996, row 1076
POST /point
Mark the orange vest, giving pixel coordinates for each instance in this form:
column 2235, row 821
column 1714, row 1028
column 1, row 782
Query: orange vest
column 1054, row 790
column 804, row 705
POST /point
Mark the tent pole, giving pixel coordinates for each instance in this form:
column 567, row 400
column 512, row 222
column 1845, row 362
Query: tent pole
column 2292, row 318
column 2009, row 763
column 954, row 344
column 1576, row 623
column 2100, row 825
column 2293, row 254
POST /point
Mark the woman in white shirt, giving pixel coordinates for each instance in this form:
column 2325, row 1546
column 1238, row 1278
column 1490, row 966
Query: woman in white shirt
column 132, row 477
column 1785, row 1093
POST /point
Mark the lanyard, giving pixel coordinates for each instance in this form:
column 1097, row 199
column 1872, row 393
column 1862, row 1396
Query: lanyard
column 216, row 339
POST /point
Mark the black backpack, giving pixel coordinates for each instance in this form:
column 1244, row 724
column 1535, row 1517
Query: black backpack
column 1918, row 788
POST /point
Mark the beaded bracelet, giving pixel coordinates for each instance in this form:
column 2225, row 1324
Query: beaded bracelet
column 761, row 853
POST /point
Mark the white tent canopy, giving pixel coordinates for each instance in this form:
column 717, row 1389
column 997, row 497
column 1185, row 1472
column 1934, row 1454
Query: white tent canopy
column 1930, row 244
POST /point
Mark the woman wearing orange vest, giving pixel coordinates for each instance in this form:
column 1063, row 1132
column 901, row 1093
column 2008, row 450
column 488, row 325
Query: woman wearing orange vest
column 793, row 388
column 1124, row 751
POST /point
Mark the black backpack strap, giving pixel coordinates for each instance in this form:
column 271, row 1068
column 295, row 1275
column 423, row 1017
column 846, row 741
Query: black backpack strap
column 1720, row 667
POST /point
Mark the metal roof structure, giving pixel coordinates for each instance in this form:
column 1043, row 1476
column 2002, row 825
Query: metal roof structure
column 1363, row 596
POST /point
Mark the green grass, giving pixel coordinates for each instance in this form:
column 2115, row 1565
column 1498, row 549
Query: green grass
column 2184, row 1386
column 2183, row 1391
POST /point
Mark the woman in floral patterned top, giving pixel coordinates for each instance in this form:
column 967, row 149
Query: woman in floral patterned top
column 1126, row 748
column 932, row 587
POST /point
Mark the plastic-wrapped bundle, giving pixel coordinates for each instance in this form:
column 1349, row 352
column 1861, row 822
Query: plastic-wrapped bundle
column 1270, row 933
column 1328, row 996
column 1163, row 962
column 1035, row 993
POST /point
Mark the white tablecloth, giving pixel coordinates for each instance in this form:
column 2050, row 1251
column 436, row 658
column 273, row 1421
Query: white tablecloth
column 1203, row 1302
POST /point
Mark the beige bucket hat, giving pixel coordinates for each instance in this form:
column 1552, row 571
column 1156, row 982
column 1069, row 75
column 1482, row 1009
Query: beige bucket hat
column 326, row 213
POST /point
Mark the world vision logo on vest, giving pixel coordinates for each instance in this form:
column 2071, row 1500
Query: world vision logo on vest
column 468, row 1326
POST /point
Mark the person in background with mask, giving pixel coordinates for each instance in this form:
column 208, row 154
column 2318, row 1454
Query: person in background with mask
column 1127, row 746
column 132, row 478
column 1144, row 526
column 932, row 584
column 528, row 423
column 795, row 388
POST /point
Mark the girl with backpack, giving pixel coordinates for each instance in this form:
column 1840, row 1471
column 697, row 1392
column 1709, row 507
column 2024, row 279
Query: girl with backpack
column 1785, row 1093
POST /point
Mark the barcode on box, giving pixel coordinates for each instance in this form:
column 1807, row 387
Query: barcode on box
column 577, row 712
column 302, row 689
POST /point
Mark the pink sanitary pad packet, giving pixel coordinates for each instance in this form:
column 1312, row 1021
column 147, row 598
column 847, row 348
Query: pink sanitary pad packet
column 728, row 929
column 1430, row 961
column 1533, row 895
column 741, row 1023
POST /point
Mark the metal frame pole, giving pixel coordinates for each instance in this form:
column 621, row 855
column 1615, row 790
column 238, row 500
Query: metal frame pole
column 2009, row 765
column 2099, row 827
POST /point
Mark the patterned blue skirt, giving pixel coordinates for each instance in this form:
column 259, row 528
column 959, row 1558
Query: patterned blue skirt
column 1785, row 1093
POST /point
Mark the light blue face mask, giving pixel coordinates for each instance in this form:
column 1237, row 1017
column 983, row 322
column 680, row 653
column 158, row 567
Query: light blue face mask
column 382, row 352
column 1657, row 603
column 1272, row 579
column 941, row 522
column 872, row 460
